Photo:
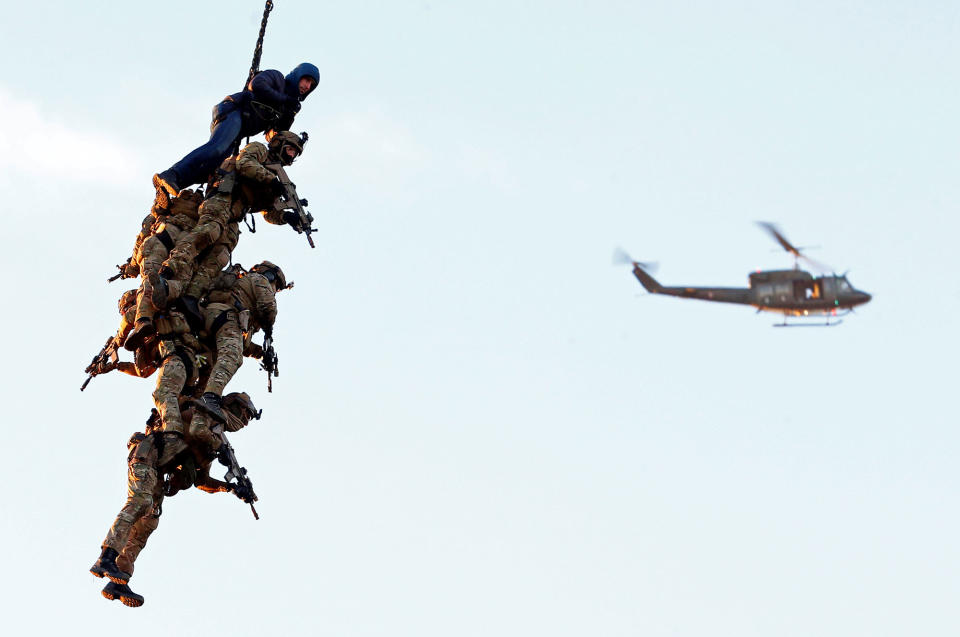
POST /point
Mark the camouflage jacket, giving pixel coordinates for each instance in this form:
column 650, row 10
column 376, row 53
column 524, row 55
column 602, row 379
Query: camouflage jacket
column 251, row 292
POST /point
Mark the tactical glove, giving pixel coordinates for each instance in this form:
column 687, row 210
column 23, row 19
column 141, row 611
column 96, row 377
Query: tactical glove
column 242, row 492
column 291, row 218
column 277, row 187
column 130, row 270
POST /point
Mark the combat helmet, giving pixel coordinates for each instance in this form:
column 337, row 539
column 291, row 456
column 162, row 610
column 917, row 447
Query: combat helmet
column 127, row 300
column 281, row 140
column 273, row 273
column 234, row 406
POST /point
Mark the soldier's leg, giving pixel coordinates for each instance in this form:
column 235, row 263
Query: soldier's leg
column 170, row 382
column 229, row 357
column 154, row 250
column 229, row 340
column 139, row 534
column 214, row 216
column 141, row 484
column 215, row 260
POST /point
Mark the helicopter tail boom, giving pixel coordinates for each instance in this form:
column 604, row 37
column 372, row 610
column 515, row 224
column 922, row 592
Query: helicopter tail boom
column 647, row 281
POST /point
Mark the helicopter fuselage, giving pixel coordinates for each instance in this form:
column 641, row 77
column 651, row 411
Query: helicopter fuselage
column 789, row 292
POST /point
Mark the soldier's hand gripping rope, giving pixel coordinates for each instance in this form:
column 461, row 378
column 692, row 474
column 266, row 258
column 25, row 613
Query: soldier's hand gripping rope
column 106, row 360
column 243, row 487
column 270, row 362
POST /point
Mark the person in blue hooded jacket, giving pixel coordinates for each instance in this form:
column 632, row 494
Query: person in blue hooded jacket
column 269, row 103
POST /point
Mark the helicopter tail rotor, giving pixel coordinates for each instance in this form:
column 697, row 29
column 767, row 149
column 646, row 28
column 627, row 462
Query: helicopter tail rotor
column 620, row 257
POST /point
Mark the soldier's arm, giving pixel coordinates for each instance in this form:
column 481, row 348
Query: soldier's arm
column 268, row 86
column 266, row 303
column 274, row 216
column 250, row 163
column 128, row 368
column 253, row 350
column 211, row 485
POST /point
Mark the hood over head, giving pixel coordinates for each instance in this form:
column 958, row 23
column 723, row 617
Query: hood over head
column 302, row 70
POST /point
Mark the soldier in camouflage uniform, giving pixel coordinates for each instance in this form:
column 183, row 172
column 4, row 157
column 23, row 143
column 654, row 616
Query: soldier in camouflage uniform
column 140, row 515
column 242, row 184
column 234, row 313
column 149, row 256
column 179, row 369
column 145, row 357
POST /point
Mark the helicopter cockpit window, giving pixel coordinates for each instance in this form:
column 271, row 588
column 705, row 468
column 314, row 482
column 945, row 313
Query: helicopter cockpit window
column 843, row 285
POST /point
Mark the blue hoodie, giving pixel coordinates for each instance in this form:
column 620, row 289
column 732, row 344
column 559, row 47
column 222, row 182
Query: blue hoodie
column 280, row 93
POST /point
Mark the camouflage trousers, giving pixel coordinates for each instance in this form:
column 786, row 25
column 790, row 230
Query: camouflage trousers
column 139, row 516
column 215, row 215
column 171, row 379
column 201, row 435
column 229, row 346
column 209, row 264
column 153, row 252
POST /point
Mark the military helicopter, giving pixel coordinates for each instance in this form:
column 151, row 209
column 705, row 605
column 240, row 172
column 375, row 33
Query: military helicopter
column 789, row 292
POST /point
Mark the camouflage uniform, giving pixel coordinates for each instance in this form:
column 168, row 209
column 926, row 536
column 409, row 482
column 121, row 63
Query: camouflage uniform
column 167, row 229
column 145, row 362
column 242, row 183
column 232, row 316
column 179, row 367
column 140, row 514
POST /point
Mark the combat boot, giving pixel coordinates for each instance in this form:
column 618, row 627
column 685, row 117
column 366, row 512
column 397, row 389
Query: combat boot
column 106, row 566
column 156, row 290
column 122, row 592
column 142, row 330
column 209, row 404
column 173, row 445
column 166, row 181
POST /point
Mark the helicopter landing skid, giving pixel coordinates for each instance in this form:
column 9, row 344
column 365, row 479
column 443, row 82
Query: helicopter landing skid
column 826, row 324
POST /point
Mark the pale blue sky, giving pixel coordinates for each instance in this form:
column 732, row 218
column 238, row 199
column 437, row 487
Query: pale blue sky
column 481, row 427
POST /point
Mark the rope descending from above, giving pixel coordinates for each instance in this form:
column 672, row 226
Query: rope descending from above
column 258, row 50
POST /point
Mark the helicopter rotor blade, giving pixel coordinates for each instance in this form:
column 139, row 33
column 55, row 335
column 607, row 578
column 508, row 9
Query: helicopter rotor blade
column 620, row 257
column 774, row 232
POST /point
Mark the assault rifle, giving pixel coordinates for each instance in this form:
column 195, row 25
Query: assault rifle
column 289, row 200
column 234, row 471
column 128, row 270
column 270, row 362
column 105, row 361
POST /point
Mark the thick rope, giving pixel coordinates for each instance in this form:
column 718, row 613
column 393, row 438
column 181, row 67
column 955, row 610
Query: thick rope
column 258, row 50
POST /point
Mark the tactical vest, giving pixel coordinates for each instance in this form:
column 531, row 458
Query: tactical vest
column 176, row 339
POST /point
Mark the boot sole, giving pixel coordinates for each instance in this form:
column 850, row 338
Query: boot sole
column 97, row 571
column 162, row 186
column 132, row 602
